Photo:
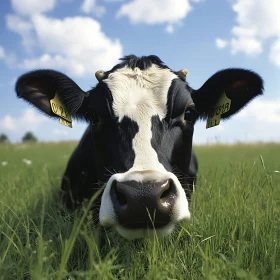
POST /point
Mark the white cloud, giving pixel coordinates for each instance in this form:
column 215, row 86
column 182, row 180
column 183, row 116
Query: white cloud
column 9, row 58
column 257, row 22
column 262, row 111
column 90, row 6
column 156, row 12
column 241, row 31
column 169, row 28
column 275, row 52
column 76, row 44
column 31, row 7
column 46, row 61
column 220, row 43
column 19, row 124
column 72, row 47
column 62, row 132
column 2, row 52
column 245, row 40
column 249, row 45
column 23, row 27
column 263, row 16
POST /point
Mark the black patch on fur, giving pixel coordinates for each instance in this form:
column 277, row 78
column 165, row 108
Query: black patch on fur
column 113, row 146
column 100, row 101
column 173, row 145
column 178, row 97
column 165, row 138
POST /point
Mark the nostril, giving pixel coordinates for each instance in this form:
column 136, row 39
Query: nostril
column 120, row 196
column 169, row 190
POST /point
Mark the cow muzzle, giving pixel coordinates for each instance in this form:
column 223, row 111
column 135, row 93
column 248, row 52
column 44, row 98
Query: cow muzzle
column 143, row 205
column 138, row 203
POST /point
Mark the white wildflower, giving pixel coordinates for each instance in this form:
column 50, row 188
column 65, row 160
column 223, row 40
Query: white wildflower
column 276, row 171
column 4, row 163
column 27, row 161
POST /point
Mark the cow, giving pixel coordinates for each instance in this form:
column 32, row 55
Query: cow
column 138, row 144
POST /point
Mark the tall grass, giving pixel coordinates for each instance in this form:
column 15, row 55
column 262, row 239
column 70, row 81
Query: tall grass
column 234, row 232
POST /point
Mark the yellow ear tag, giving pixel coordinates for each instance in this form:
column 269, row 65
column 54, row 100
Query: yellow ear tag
column 222, row 106
column 58, row 109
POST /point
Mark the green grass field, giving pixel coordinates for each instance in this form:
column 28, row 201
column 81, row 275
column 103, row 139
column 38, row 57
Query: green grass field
column 234, row 232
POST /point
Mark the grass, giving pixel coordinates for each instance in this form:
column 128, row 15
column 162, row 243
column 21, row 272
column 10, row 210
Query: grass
column 234, row 232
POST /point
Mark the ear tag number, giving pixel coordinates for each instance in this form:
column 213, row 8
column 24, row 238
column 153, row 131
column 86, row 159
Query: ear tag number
column 214, row 121
column 222, row 106
column 58, row 109
column 64, row 122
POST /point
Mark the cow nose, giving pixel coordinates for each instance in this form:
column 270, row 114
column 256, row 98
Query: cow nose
column 142, row 205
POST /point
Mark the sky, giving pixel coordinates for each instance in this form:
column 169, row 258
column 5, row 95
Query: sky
column 81, row 37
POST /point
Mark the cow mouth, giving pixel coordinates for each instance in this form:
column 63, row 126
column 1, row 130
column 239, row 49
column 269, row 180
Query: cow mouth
column 145, row 232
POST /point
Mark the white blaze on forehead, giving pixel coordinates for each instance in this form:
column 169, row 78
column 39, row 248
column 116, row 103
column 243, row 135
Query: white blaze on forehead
column 140, row 95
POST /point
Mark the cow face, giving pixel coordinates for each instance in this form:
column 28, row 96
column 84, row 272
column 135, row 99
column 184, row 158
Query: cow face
column 143, row 115
column 138, row 144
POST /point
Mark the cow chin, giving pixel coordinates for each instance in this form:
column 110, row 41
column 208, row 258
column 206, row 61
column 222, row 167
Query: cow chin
column 131, row 234
column 142, row 204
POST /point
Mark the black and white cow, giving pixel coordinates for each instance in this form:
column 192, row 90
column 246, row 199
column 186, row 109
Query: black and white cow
column 139, row 140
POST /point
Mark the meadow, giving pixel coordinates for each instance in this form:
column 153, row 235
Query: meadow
column 234, row 232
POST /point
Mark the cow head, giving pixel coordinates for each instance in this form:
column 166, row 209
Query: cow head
column 143, row 115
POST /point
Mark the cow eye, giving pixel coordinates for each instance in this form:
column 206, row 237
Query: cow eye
column 191, row 114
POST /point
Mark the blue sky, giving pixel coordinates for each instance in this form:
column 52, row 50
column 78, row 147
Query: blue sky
column 81, row 37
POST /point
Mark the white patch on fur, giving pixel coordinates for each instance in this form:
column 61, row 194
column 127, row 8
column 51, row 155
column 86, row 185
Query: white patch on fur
column 131, row 234
column 140, row 95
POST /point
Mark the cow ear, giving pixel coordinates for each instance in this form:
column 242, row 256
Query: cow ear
column 40, row 86
column 239, row 85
